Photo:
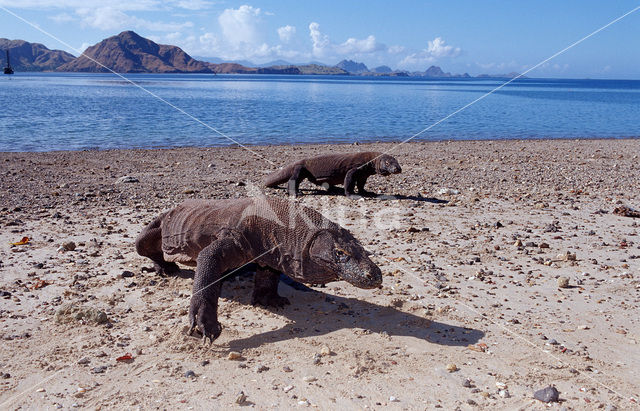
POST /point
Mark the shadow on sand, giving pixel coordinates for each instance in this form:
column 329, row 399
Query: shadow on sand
column 316, row 313
column 336, row 191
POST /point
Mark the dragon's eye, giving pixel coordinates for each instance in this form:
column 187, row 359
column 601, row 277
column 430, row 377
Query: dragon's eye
column 340, row 254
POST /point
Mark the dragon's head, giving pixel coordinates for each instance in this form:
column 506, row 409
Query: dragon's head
column 336, row 253
column 386, row 164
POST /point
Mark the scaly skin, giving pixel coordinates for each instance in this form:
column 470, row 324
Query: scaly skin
column 219, row 236
column 348, row 169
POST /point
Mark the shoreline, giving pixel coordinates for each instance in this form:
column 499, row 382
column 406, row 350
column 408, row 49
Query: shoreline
column 338, row 144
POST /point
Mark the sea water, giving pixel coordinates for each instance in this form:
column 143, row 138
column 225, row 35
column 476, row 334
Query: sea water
column 76, row 111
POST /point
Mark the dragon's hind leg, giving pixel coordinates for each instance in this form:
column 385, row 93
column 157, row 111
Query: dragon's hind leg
column 265, row 288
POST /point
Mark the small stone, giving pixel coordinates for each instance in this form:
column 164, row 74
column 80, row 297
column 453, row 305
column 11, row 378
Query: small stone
column 309, row 378
column 549, row 394
column 99, row 370
column 127, row 179
column 234, row 355
column 563, row 282
column 68, row 246
column 190, row 374
column 286, row 368
column 466, row 383
column 261, row 368
column 518, row 243
column 611, row 407
column 241, row 398
column 71, row 312
column 553, row 342
column 316, row 358
column 84, row 361
column 6, row 375
column 544, row 245
column 452, row 367
column 471, row 402
column 287, row 388
column 504, row 394
column 393, row 399
column 127, row 274
column 325, row 350
column 204, row 363
column 501, row 385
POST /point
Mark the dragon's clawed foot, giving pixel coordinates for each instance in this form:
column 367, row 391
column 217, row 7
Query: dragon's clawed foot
column 203, row 317
column 166, row 268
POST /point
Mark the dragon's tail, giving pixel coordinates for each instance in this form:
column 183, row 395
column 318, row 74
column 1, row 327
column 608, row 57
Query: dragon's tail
column 278, row 177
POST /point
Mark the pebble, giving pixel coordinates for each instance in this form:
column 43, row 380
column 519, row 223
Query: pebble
column 471, row 402
column 99, row 370
column 309, row 378
column 553, row 342
column 316, row 358
column 287, row 388
column 127, row 274
column 504, row 394
column 127, row 179
column 393, row 399
column 563, row 282
column 262, row 368
column 286, row 368
column 241, row 398
column 466, row 383
column 325, row 350
column 204, row 363
column 549, row 394
column 611, row 407
column 452, row 367
column 234, row 355
column 68, row 246
column 84, row 361
column 6, row 375
column 190, row 374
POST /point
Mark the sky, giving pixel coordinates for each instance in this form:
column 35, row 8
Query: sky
column 460, row 36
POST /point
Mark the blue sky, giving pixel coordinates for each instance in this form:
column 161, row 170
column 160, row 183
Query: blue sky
column 460, row 36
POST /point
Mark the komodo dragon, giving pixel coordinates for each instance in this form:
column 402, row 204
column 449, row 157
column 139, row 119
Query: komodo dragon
column 219, row 236
column 348, row 169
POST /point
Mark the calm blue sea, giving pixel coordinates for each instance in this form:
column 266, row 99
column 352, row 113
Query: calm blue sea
column 46, row 111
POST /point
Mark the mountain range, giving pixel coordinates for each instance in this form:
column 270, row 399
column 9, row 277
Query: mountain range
column 27, row 56
column 129, row 52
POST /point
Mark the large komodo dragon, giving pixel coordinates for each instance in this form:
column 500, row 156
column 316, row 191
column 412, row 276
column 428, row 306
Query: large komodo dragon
column 218, row 236
column 348, row 169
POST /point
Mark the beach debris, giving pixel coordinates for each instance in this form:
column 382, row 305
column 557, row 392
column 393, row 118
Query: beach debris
column 38, row 283
column 626, row 212
column 125, row 358
column 563, row 282
column 70, row 312
column 241, row 398
column 68, row 246
column 23, row 241
column 481, row 347
column 127, row 179
column 325, row 350
column 234, row 355
column 548, row 394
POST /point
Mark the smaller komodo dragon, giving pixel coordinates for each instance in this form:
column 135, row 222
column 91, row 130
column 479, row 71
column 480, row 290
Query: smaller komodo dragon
column 347, row 169
column 220, row 236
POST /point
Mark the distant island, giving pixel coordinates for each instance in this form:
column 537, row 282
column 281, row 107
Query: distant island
column 129, row 52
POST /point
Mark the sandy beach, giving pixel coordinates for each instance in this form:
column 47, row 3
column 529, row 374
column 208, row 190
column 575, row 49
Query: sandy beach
column 505, row 271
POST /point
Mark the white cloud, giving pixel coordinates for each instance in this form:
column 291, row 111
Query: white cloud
column 436, row 49
column 286, row 33
column 109, row 18
column 62, row 18
column 355, row 46
column 319, row 40
column 239, row 26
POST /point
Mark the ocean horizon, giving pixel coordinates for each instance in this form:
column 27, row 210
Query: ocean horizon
column 81, row 111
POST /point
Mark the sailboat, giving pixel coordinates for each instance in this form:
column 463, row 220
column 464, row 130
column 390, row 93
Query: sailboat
column 8, row 69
